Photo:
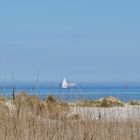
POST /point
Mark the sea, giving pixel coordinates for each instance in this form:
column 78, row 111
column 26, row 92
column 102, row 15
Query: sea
column 83, row 91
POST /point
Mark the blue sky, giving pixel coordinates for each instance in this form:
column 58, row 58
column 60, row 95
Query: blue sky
column 81, row 40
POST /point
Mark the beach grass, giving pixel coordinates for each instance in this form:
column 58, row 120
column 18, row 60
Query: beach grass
column 104, row 102
column 28, row 118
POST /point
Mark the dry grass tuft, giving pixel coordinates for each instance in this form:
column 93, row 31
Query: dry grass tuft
column 2, row 100
column 134, row 102
column 50, row 99
column 104, row 102
column 111, row 102
column 24, row 102
column 50, row 108
column 89, row 103
column 56, row 109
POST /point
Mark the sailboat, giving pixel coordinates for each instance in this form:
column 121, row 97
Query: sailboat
column 67, row 85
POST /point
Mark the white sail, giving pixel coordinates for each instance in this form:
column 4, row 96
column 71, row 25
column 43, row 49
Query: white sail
column 66, row 85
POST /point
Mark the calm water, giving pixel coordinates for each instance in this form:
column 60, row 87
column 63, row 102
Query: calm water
column 78, row 93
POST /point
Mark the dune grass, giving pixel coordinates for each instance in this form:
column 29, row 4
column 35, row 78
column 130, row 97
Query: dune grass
column 134, row 102
column 32, row 119
column 104, row 102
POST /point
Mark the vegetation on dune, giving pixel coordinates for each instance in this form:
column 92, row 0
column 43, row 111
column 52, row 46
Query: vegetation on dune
column 104, row 102
column 134, row 102
column 2, row 100
column 24, row 102
column 49, row 108
column 55, row 109
column 111, row 102
column 51, row 119
column 89, row 103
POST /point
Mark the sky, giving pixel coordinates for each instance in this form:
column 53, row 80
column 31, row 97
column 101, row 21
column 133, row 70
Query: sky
column 81, row 40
